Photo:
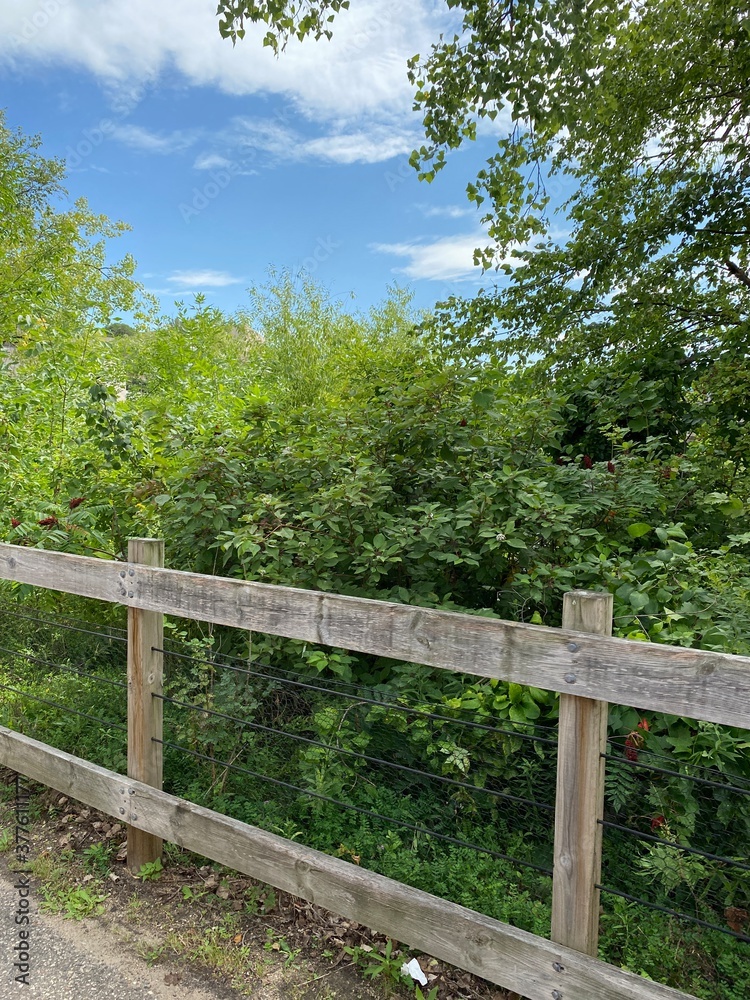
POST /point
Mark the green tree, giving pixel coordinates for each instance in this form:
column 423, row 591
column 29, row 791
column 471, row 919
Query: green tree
column 63, row 436
column 312, row 348
column 53, row 262
column 643, row 109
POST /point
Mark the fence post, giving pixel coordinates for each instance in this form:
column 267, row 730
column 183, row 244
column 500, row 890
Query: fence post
column 579, row 804
column 145, row 712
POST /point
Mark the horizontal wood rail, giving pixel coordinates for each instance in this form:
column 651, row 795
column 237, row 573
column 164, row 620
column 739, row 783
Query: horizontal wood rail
column 691, row 682
column 588, row 669
column 532, row 966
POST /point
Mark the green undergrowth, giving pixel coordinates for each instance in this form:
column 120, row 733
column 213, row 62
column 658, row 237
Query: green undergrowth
column 385, row 831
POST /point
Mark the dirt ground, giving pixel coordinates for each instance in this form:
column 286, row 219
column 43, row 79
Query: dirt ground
column 199, row 931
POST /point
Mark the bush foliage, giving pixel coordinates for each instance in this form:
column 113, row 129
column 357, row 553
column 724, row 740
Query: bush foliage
column 298, row 443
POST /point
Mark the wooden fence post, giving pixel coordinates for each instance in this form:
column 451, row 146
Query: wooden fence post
column 580, row 792
column 145, row 712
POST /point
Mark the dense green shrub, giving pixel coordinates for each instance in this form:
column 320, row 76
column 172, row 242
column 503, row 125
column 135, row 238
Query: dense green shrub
column 303, row 445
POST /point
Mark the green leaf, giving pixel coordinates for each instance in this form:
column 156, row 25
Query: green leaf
column 639, row 529
column 483, row 399
column 515, row 693
column 734, row 507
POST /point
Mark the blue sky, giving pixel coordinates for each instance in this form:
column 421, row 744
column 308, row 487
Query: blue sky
column 229, row 161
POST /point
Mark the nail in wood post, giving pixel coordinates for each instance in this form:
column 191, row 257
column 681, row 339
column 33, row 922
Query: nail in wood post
column 580, row 792
column 145, row 634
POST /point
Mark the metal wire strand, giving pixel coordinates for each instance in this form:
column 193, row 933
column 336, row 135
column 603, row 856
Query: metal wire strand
column 64, row 708
column 668, row 843
column 358, row 809
column 623, row 762
column 60, row 666
column 359, row 756
column 72, row 628
column 661, row 756
column 336, row 683
column 363, row 700
column 675, row 913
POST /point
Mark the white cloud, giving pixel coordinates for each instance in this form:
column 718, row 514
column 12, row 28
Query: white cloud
column 380, row 142
column 151, row 142
column 449, row 258
column 211, row 161
column 445, row 211
column 445, row 259
column 130, row 44
column 347, row 100
column 203, row 279
column 345, row 143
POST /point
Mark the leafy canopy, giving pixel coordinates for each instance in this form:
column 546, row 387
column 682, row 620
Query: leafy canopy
column 53, row 261
column 643, row 106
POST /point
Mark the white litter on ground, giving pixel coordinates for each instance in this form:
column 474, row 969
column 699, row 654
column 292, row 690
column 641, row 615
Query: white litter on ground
column 414, row 969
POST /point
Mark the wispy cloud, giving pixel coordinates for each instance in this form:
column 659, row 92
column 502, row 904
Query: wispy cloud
column 204, row 279
column 373, row 145
column 347, row 142
column 264, row 135
column 445, row 211
column 211, row 161
column 143, row 139
column 449, row 258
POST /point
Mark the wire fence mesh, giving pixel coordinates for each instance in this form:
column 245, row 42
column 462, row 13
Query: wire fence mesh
column 55, row 665
column 417, row 777
column 429, row 792
column 677, row 831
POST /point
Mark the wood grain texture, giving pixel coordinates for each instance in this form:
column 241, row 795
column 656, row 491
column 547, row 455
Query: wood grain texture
column 145, row 710
column 514, row 959
column 690, row 682
column 579, row 806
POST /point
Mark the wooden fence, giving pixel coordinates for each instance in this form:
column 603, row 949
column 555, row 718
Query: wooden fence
column 580, row 661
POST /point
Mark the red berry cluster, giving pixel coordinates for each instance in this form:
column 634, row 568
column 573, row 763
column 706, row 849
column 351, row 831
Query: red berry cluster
column 634, row 741
column 51, row 521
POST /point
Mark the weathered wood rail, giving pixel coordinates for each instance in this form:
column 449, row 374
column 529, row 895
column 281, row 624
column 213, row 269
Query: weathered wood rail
column 691, row 682
column 581, row 661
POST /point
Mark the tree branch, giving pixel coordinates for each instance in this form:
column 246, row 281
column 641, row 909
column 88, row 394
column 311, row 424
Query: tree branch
column 737, row 271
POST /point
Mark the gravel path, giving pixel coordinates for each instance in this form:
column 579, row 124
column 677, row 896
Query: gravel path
column 70, row 959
